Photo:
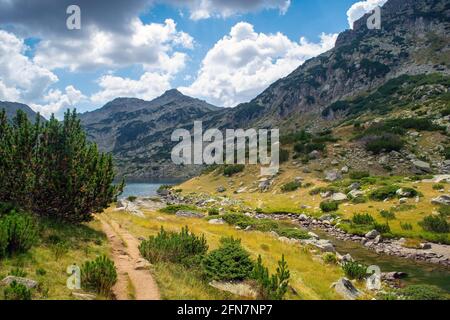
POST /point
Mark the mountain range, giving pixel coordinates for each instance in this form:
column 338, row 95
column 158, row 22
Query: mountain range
column 356, row 77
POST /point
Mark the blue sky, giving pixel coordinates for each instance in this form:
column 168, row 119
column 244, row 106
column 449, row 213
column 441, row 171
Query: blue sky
column 219, row 51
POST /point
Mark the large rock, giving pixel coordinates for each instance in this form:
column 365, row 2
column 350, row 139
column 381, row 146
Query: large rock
column 30, row 284
column 356, row 194
column 442, row 200
column 346, row 289
column 372, row 234
column 333, row 175
column 404, row 193
column 339, row 197
column 422, row 165
column 221, row 189
column 216, row 221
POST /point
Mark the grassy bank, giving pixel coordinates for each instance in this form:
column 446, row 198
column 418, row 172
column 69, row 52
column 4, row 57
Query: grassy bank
column 59, row 246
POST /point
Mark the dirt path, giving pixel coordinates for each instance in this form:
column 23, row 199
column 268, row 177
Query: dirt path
column 134, row 280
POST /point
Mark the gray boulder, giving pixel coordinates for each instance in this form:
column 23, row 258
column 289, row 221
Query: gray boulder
column 339, row 197
column 422, row 165
column 333, row 175
column 356, row 193
column 346, row 289
column 442, row 200
column 30, row 284
column 221, row 189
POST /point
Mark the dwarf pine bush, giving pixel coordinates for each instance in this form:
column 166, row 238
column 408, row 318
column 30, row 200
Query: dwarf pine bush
column 435, row 224
column 229, row 262
column 18, row 233
column 354, row 270
column 173, row 247
column 271, row 287
column 17, row 291
column 99, row 275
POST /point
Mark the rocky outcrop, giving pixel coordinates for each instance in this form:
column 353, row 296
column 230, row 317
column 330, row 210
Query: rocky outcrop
column 29, row 283
column 346, row 289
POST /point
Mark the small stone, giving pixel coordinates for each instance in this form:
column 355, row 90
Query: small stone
column 372, row 234
column 30, row 284
column 142, row 264
column 332, row 176
column 216, row 221
column 313, row 235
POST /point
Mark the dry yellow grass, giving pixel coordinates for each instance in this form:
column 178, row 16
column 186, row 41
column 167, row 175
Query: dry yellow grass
column 310, row 277
column 277, row 201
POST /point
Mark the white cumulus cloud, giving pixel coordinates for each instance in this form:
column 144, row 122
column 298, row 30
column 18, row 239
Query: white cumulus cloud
column 149, row 86
column 360, row 8
column 244, row 63
column 20, row 77
column 56, row 101
column 151, row 45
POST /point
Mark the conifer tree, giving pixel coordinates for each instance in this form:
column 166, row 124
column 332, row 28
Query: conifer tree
column 52, row 170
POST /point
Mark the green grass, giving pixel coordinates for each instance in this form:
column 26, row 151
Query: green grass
column 83, row 242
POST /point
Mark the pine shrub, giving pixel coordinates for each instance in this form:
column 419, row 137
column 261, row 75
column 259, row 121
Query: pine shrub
column 173, row 247
column 18, row 233
column 329, row 206
column 17, row 291
column 354, row 270
column 230, row 170
column 435, row 224
column 363, row 219
column 99, row 275
column 271, row 287
column 229, row 262
column 383, row 193
column 291, row 186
